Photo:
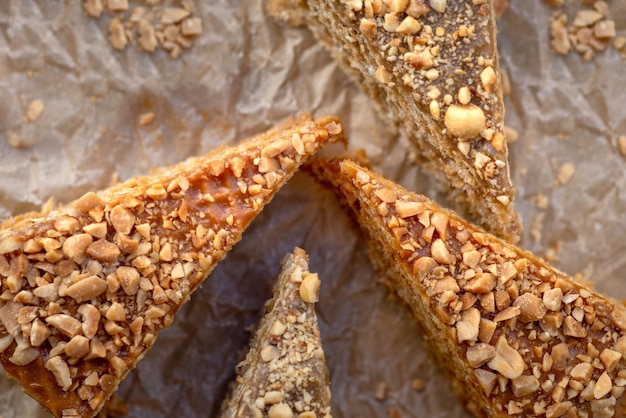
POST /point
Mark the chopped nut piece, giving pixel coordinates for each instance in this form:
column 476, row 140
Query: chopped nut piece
column 35, row 109
column 117, row 34
column 610, row 358
column 603, row 386
column 77, row 347
column 192, row 26
column 440, row 252
column 408, row 209
column 280, row 410
column 524, row 385
column 486, row 379
column 87, row 289
column 465, row 121
column 117, row 5
column 507, row 361
column 103, row 250
column 58, row 367
column 467, row 327
column 531, row 307
column 480, row 354
column 439, row 5
column 173, row 15
column 93, row 7
column 39, row 333
column 566, row 172
column 309, row 288
column 572, row 328
column 560, row 354
column 65, row 324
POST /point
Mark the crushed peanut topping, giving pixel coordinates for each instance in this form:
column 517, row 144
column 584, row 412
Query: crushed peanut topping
column 520, row 337
column 434, row 63
column 285, row 374
column 86, row 288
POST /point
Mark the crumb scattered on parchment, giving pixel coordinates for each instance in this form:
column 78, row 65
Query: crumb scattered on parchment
column 506, row 82
column 541, row 201
column 146, row 118
column 621, row 145
column 536, row 227
column 552, row 254
column 510, row 134
column 393, row 412
column 566, row 172
column 35, row 109
column 380, row 393
column 418, row 384
column 588, row 32
column 16, row 141
column 149, row 24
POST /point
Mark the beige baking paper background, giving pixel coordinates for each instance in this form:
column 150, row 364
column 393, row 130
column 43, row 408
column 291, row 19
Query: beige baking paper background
column 244, row 74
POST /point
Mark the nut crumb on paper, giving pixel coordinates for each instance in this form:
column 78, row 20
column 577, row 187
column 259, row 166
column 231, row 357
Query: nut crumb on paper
column 149, row 25
column 16, row 141
column 536, row 227
column 35, row 109
column 541, row 201
column 418, row 384
column 589, row 31
column 393, row 412
column 380, row 394
column 621, row 145
column 566, row 172
column 146, row 118
column 510, row 134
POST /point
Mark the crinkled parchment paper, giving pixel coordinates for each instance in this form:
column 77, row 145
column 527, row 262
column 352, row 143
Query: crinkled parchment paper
column 244, row 74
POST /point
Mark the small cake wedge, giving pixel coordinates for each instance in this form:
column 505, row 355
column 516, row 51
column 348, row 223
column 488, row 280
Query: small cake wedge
column 86, row 288
column 515, row 336
column 431, row 68
column 285, row 372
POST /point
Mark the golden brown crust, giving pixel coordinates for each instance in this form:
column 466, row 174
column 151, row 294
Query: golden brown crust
column 285, row 372
column 432, row 69
column 516, row 336
column 86, row 288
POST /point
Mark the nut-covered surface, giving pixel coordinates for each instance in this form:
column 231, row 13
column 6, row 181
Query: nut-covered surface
column 432, row 69
column 77, row 311
column 284, row 374
column 531, row 342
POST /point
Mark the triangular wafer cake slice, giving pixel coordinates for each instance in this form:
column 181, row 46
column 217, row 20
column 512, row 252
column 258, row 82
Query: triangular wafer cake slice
column 431, row 67
column 285, row 372
column 515, row 336
column 86, row 288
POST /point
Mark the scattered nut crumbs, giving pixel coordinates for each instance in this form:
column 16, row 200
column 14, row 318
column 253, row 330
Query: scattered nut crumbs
column 541, row 201
column 510, row 134
column 394, row 412
column 35, row 109
column 149, row 24
column 418, row 384
column 566, row 172
column 15, row 139
column 536, row 227
column 146, row 118
column 589, row 32
column 380, row 393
